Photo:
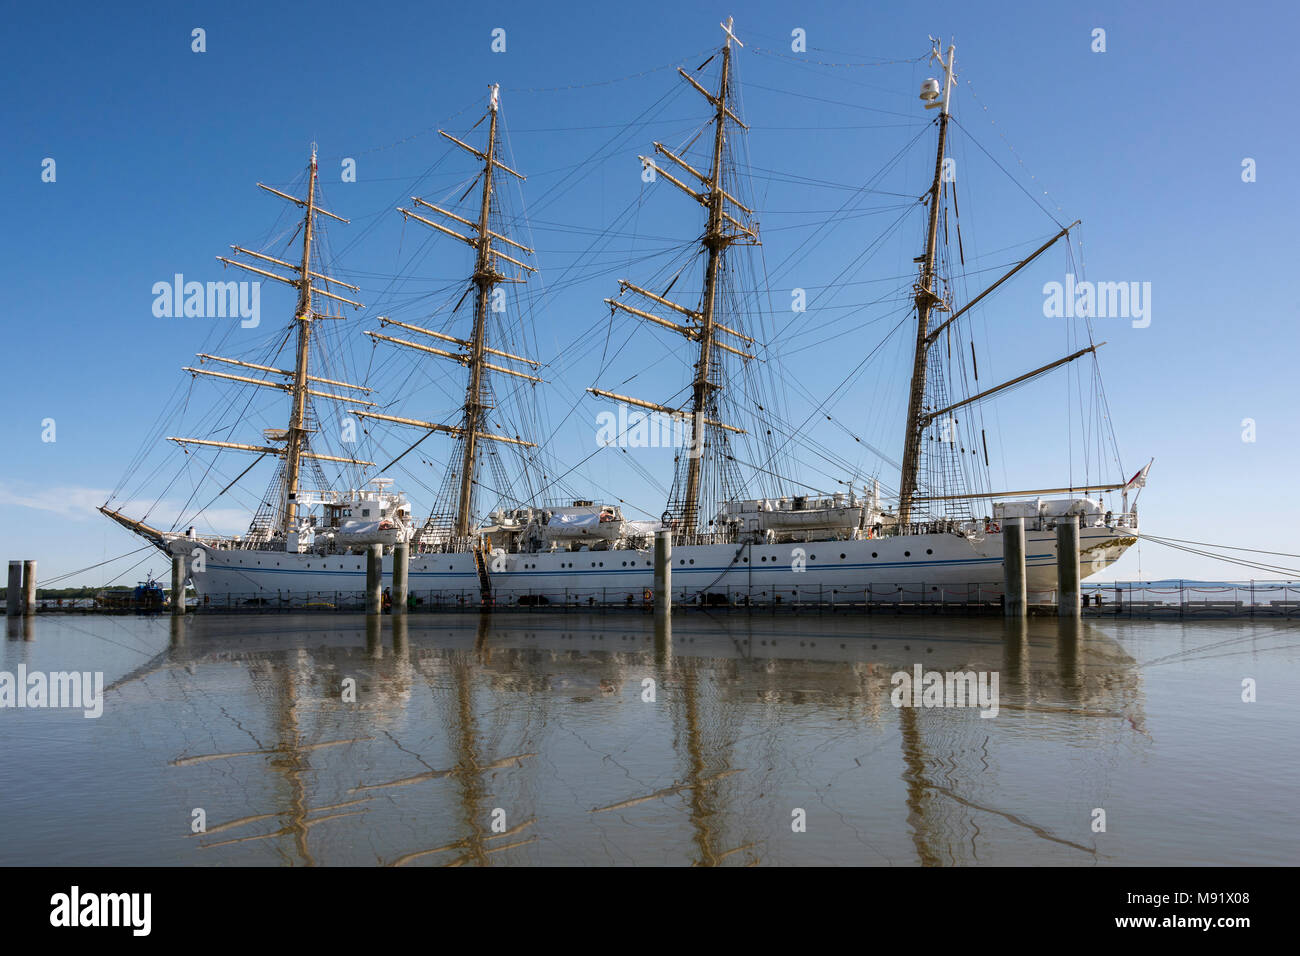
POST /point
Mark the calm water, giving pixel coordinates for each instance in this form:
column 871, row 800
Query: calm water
column 525, row 739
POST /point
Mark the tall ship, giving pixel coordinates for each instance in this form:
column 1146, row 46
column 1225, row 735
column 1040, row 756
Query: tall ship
column 504, row 530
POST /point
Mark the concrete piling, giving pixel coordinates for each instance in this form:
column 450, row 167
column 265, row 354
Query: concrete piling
column 29, row 587
column 401, row 576
column 178, row 584
column 374, row 578
column 1015, row 596
column 14, row 590
column 1069, row 588
column 663, row 571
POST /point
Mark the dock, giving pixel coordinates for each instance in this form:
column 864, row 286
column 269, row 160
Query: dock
column 1186, row 601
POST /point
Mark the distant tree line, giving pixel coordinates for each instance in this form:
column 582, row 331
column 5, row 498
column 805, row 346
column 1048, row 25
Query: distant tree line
column 55, row 593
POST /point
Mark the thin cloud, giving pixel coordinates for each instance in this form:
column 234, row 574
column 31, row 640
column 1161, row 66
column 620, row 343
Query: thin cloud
column 80, row 504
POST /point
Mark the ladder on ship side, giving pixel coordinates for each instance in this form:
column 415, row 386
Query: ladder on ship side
column 484, row 580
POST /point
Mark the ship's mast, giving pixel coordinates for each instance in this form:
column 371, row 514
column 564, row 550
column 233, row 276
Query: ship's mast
column 485, row 277
column 297, row 432
column 715, row 241
column 722, row 230
column 477, row 353
column 299, row 382
column 926, row 299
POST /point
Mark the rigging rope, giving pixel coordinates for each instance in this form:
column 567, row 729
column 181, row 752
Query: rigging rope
column 1220, row 557
column 49, row 582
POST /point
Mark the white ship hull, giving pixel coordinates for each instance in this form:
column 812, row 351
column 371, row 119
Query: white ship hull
column 937, row 566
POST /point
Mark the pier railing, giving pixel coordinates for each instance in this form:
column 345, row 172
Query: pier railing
column 1185, row 600
column 1192, row 599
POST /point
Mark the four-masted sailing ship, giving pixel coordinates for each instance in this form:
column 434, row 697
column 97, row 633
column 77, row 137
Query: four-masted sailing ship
column 729, row 543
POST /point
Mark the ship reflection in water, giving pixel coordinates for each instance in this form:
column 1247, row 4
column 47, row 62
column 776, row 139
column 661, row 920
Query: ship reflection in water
column 600, row 739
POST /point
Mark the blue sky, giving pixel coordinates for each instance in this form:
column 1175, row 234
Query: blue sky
column 157, row 150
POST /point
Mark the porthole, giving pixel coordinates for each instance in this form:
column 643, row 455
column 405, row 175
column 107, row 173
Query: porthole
column 907, row 554
column 929, row 551
column 842, row 557
column 873, row 554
